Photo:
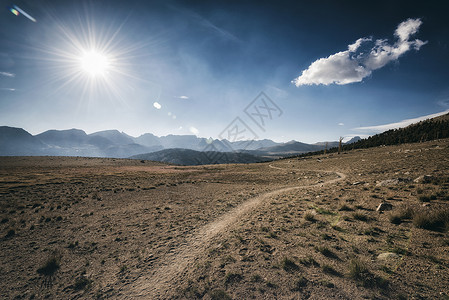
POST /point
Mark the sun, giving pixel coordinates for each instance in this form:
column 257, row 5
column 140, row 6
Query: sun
column 94, row 63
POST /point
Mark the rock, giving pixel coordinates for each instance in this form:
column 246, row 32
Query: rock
column 384, row 206
column 423, row 179
column 387, row 256
column 391, row 182
column 357, row 183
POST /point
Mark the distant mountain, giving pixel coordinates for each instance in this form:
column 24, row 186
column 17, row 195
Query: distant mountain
column 189, row 157
column 116, row 137
column 286, row 149
column 149, row 140
column 353, row 140
column 112, row 143
column 63, row 138
column 108, row 143
column 16, row 141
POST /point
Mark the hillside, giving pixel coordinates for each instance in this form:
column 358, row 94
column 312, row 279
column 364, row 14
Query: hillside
column 188, row 157
column 427, row 130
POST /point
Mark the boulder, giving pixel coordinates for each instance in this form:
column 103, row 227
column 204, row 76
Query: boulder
column 387, row 256
column 391, row 182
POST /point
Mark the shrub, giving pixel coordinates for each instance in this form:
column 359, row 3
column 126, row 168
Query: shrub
column 360, row 217
column 10, row 233
column 300, row 283
column 330, row 270
column 289, row 265
column 309, row 216
column 395, row 219
column 325, row 251
column 437, row 220
column 308, row 261
column 219, row 294
column 231, row 278
column 81, row 283
column 344, row 207
column 424, row 198
column 50, row 266
column 357, row 269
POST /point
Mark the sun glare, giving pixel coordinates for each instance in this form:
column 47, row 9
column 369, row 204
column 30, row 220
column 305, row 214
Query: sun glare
column 94, row 63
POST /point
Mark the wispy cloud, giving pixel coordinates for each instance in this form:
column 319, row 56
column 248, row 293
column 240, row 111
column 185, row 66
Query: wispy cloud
column 341, row 124
column 7, row 74
column 207, row 24
column 8, row 89
column 361, row 58
column 400, row 124
column 183, row 97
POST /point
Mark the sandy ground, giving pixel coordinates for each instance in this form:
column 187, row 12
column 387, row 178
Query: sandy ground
column 290, row 229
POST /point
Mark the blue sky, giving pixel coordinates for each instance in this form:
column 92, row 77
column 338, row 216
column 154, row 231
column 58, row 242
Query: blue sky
column 192, row 67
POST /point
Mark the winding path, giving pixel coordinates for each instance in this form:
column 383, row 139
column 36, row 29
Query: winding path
column 163, row 277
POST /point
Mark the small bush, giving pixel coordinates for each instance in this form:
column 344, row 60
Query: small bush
column 219, row 294
column 436, row 220
column 360, row 217
column 330, row 270
column 324, row 211
column 357, row 269
column 256, row 278
column 50, row 267
column 300, row 283
column 424, row 198
column 231, row 278
column 308, row 261
column 325, row 251
column 10, row 233
column 309, row 216
column 81, row 283
column 395, row 219
column 344, row 207
column 289, row 265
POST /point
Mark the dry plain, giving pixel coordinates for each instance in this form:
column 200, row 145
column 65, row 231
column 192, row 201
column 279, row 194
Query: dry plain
column 298, row 228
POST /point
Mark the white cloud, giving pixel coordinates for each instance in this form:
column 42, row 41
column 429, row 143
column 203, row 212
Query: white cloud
column 157, row 105
column 194, row 130
column 8, row 89
column 400, row 124
column 341, row 124
column 183, row 97
column 7, row 74
column 358, row 61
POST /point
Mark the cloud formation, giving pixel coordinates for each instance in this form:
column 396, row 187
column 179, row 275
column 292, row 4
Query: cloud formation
column 7, row 74
column 400, row 124
column 361, row 58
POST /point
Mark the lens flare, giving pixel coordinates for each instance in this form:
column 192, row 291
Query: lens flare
column 14, row 11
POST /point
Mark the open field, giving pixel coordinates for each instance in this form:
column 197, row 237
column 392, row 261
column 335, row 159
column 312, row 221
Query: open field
column 292, row 229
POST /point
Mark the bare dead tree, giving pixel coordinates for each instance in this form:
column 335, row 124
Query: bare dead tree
column 325, row 148
column 339, row 144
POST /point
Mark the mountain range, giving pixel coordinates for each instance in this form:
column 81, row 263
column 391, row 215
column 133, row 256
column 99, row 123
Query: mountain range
column 112, row 143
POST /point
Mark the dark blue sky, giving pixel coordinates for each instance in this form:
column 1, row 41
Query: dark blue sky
column 185, row 67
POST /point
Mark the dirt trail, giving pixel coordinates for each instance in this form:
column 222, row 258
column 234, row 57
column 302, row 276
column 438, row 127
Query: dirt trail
column 163, row 277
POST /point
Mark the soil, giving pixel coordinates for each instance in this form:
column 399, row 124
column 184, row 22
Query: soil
column 83, row 228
